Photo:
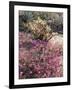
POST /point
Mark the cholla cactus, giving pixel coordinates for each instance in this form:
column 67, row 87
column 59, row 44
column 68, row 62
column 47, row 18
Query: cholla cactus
column 39, row 29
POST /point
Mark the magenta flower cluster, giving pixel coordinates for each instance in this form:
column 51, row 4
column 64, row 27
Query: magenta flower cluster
column 38, row 58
